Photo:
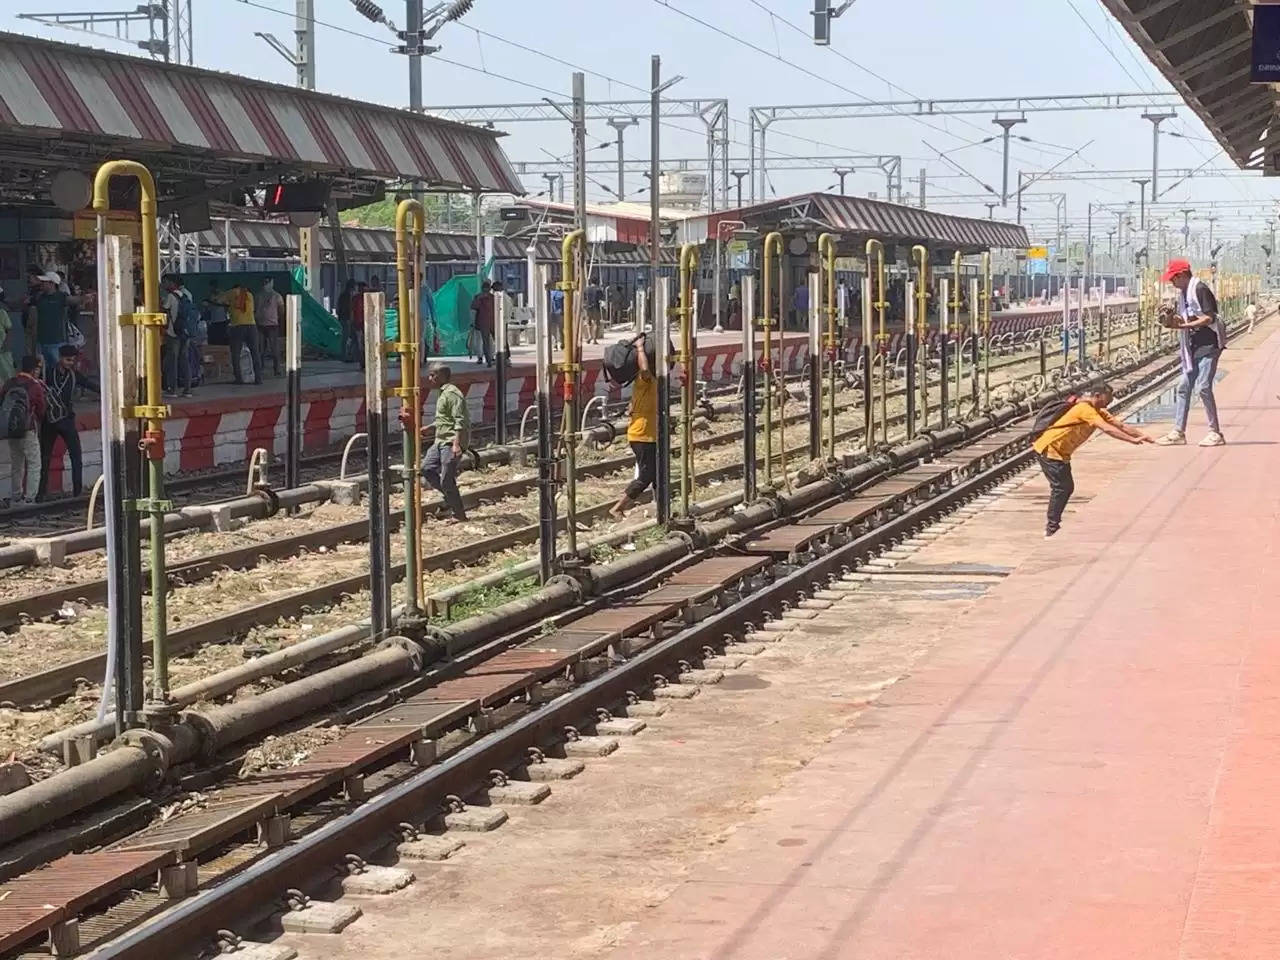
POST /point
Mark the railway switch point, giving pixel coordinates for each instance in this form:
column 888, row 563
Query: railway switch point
column 553, row 768
column 375, row 881
column 317, row 916
column 518, row 793
column 475, row 819
column 429, row 848
column 619, row 727
column 589, row 747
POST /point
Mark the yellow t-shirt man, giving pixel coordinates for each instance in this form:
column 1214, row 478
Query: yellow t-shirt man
column 644, row 409
column 239, row 304
column 1070, row 430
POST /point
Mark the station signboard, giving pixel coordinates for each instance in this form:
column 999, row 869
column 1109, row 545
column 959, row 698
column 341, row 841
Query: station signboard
column 1037, row 253
column 1265, row 66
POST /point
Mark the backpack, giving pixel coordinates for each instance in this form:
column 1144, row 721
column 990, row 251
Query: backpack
column 1050, row 413
column 15, row 412
column 186, row 324
column 620, row 364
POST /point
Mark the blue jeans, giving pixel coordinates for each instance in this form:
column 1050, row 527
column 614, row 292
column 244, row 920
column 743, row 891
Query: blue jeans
column 50, row 353
column 1199, row 379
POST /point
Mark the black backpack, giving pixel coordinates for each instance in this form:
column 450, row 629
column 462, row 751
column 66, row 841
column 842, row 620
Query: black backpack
column 1050, row 413
column 620, row 364
column 15, row 412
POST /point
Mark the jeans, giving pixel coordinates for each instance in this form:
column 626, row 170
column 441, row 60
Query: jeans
column 646, row 455
column 240, row 337
column 176, row 360
column 486, row 345
column 1199, row 379
column 24, row 466
column 440, row 470
column 1061, row 486
column 50, row 353
column 271, row 347
column 49, row 433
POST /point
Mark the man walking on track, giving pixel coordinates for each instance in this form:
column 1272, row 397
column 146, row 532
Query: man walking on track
column 642, row 432
column 1070, row 423
column 453, row 427
column 1202, row 338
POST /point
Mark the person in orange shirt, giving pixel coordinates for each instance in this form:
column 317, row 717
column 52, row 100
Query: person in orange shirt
column 1055, row 445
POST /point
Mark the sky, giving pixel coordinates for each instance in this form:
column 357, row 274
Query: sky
column 759, row 52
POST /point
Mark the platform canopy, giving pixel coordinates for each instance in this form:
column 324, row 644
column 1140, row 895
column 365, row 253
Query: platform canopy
column 858, row 218
column 64, row 106
column 1205, row 50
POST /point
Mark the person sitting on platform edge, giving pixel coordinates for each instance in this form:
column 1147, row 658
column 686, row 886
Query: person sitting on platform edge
column 1064, row 436
column 453, row 431
column 642, row 432
column 1201, row 340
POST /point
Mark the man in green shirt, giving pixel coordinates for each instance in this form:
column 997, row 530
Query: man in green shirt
column 453, row 431
column 49, row 317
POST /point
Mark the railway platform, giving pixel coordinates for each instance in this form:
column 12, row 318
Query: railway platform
column 1083, row 765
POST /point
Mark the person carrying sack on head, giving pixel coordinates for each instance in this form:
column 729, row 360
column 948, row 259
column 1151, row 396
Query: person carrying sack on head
column 642, row 431
column 1201, row 339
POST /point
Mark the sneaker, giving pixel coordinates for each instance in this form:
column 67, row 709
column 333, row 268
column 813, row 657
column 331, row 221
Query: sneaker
column 186, row 393
column 1050, row 530
column 1173, row 438
column 1213, row 439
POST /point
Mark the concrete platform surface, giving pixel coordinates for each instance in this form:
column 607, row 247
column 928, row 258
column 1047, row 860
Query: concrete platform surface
column 1085, row 765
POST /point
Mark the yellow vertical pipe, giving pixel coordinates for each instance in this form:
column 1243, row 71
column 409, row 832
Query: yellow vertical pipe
column 410, row 220
column 688, row 264
column 827, row 253
column 772, row 249
column 876, row 248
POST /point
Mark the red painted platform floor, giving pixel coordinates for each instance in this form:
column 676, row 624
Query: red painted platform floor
column 1086, row 766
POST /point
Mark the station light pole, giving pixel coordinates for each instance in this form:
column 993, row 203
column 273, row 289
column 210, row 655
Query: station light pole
column 620, row 124
column 841, row 172
column 1006, row 124
column 1142, row 201
column 737, row 176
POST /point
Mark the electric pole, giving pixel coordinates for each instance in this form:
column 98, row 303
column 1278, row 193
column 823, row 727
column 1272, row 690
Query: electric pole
column 923, row 175
column 1186, row 227
column 841, row 172
column 420, row 27
column 1142, row 202
column 168, row 24
column 303, row 55
column 738, row 175
column 1156, row 119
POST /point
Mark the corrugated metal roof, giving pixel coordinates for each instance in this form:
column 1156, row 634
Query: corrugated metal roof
column 273, row 236
column 861, row 217
column 1205, row 51
column 128, row 102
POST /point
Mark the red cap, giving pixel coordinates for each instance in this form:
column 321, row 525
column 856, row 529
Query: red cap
column 1173, row 268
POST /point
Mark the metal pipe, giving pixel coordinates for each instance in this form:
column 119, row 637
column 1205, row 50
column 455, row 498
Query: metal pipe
column 827, row 255
column 569, row 283
column 378, row 500
column 539, row 284
column 293, row 390
column 410, row 222
column 688, row 266
column 153, row 410
column 920, row 356
column 814, row 365
column 220, row 727
column 749, row 389
column 986, row 328
column 876, row 274
column 907, row 356
column 772, row 248
column 661, row 341
column 944, row 342
column 502, row 361
column 868, row 407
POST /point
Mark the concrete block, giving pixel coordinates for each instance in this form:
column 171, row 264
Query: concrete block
column 518, row 793
column 345, row 493
column 857, row 577
column 180, row 880
column 727, row 662
column 746, row 649
column 674, row 691
column 353, row 788
column 879, row 563
column 49, row 552
column 775, row 626
column 64, row 938
column 377, row 881
column 275, row 831
column 799, row 614
column 898, row 554
column 619, row 727
column 815, row 604
column 646, row 708
column 590, row 747
column 263, row 951
column 475, row 819
column 554, row 769
column 429, row 848
column 701, row 678
column 320, row 917
column 422, row 752
column 220, row 519
column 13, row 776
column 917, row 541
column 831, row 596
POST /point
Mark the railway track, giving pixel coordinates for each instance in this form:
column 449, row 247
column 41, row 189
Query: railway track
column 61, row 680
column 64, row 516
column 415, row 744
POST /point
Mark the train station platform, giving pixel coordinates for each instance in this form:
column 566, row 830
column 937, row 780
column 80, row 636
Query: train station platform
column 1084, row 765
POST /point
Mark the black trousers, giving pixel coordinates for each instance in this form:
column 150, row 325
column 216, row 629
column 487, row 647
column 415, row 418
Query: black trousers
column 646, row 468
column 49, row 432
column 1061, row 486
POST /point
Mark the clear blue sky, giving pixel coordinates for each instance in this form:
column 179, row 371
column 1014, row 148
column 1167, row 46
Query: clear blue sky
column 883, row 49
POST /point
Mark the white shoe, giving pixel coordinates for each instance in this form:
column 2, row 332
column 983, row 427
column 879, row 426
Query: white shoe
column 1213, row 439
column 1173, row 438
